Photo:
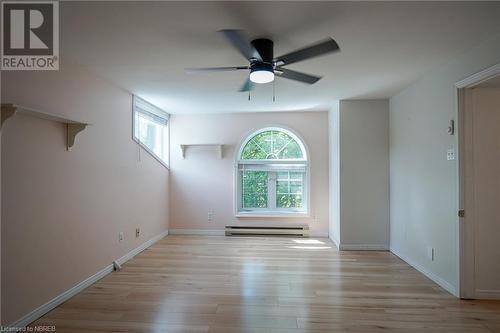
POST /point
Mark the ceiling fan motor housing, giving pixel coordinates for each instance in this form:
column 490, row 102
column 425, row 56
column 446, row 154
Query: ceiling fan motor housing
column 262, row 71
column 261, row 66
column 265, row 48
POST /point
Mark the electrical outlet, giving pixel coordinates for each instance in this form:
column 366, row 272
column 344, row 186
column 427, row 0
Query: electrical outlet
column 137, row 232
column 450, row 154
column 430, row 253
column 120, row 236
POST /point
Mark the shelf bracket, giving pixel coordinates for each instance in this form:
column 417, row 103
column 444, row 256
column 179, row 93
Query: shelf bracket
column 72, row 130
column 220, row 151
column 8, row 111
column 183, row 151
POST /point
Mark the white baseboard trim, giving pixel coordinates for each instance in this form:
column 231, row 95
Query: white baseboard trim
column 320, row 234
column 363, row 247
column 487, row 294
column 437, row 279
column 40, row 311
column 335, row 241
column 141, row 248
column 197, row 232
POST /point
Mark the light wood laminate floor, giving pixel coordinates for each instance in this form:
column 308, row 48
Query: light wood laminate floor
column 234, row 284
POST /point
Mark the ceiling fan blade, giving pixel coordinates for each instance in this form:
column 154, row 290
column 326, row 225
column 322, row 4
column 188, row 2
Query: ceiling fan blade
column 239, row 40
column 322, row 47
column 247, row 86
column 214, row 69
column 297, row 76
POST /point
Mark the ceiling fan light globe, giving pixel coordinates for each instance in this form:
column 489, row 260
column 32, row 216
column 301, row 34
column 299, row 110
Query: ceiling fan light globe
column 261, row 76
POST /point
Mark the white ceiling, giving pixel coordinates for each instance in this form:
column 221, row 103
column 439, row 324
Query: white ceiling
column 143, row 47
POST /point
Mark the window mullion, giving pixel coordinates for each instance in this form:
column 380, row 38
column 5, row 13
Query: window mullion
column 271, row 190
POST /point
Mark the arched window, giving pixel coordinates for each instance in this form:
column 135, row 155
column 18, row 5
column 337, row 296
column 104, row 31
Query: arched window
column 272, row 174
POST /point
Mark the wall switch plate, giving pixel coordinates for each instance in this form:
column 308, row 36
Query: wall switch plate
column 430, row 253
column 137, row 232
column 450, row 154
column 451, row 127
column 210, row 216
column 120, row 236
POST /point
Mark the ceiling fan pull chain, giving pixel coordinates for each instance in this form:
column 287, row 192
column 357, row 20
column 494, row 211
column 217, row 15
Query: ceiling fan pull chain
column 274, row 90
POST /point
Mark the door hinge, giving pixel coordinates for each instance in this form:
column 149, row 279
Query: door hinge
column 461, row 213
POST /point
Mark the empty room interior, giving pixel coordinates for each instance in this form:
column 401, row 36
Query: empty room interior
column 258, row 166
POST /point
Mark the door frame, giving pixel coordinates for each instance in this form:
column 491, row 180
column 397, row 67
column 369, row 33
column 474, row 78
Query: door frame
column 465, row 230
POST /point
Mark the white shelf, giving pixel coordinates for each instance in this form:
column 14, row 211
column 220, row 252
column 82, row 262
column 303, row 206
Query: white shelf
column 217, row 146
column 73, row 127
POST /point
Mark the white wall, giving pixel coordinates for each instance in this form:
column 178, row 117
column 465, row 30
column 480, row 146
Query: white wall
column 62, row 211
column 423, row 184
column 203, row 182
column 334, row 174
column 364, row 174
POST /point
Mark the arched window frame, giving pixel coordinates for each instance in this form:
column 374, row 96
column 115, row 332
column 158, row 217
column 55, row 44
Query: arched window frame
column 273, row 165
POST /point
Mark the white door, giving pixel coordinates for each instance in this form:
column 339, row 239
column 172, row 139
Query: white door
column 482, row 192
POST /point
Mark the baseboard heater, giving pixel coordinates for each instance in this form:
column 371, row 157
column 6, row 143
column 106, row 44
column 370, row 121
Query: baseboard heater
column 295, row 231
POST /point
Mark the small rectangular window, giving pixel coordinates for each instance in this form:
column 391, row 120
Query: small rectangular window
column 150, row 129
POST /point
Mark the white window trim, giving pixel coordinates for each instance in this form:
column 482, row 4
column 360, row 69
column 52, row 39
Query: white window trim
column 139, row 103
column 266, row 212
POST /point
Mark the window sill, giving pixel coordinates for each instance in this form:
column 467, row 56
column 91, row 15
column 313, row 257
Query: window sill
column 277, row 214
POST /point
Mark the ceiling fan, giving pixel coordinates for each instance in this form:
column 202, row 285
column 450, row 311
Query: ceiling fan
column 263, row 66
